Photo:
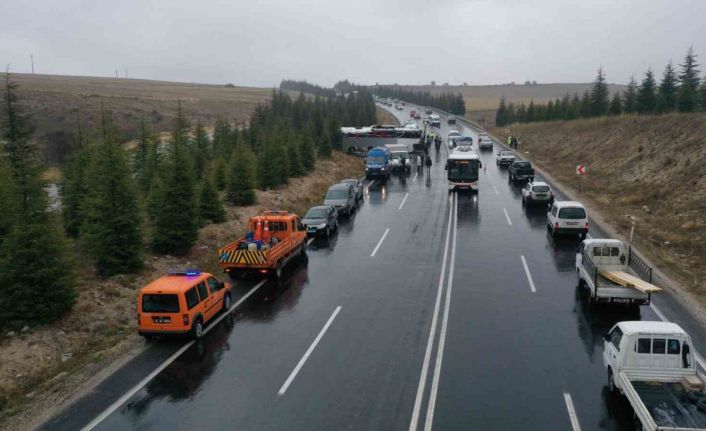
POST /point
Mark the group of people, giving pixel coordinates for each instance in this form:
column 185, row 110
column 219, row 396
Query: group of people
column 512, row 142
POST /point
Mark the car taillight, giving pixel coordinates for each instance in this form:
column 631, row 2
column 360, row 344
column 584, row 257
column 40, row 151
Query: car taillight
column 556, row 225
column 586, row 225
column 185, row 319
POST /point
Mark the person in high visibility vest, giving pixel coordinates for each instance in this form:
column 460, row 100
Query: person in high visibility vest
column 509, row 141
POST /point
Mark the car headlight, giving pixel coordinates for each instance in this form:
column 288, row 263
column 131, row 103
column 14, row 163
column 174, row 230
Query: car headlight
column 321, row 226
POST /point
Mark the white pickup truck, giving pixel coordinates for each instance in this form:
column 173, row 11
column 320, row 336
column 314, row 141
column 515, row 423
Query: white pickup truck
column 653, row 365
column 613, row 273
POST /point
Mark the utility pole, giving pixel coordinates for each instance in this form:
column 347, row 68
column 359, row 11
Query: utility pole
column 31, row 59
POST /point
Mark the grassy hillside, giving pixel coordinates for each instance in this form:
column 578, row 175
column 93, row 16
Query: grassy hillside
column 651, row 169
column 59, row 103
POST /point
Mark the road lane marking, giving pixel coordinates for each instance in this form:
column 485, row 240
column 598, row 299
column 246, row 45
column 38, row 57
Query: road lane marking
column 375, row 250
column 442, row 335
column 369, row 184
column 403, row 201
column 496, row 189
column 662, row 317
column 311, row 348
column 507, row 217
column 527, row 272
column 127, row 395
column 572, row 412
column 432, row 330
column 310, row 241
column 415, row 177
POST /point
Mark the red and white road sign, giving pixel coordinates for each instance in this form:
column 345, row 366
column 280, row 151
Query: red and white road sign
column 581, row 170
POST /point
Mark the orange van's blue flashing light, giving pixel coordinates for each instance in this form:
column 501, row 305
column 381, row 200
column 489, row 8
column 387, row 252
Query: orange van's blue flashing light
column 188, row 272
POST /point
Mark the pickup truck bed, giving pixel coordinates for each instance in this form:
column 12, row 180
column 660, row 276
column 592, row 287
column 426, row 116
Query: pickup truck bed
column 668, row 405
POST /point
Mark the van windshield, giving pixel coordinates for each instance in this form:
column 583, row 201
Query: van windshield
column 337, row 194
column 572, row 213
column 160, row 303
column 373, row 160
column 316, row 213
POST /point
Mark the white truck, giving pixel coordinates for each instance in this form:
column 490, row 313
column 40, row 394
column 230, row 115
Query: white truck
column 401, row 159
column 612, row 273
column 653, row 364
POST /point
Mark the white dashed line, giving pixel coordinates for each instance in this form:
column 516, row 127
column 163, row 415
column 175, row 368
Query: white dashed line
column 575, row 426
column 527, row 272
column 404, row 199
column 311, row 348
column 375, row 250
column 415, row 177
column 496, row 189
column 507, row 217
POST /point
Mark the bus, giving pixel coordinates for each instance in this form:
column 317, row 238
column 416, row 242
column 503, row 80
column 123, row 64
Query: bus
column 364, row 139
column 462, row 169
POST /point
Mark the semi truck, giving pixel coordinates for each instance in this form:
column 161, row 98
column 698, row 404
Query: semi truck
column 611, row 272
column 274, row 238
column 653, row 364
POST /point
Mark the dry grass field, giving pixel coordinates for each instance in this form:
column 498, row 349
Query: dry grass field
column 649, row 169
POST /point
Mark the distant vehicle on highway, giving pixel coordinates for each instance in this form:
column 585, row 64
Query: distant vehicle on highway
column 428, row 111
column 462, row 169
column 484, row 142
column 399, row 153
column 504, row 158
column 567, row 217
column 521, row 170
column 451, row 119
column 462, row 141
column 412, row 114
column 449, row 138
column 434, row 120
column 537, row 192
column 417, row 116
column 341, row 196
column 357, row 186
column 274, row 238
column 608, row 271
column 378, row 163
column 180, row 303
column 321, row 220
column 654, row 365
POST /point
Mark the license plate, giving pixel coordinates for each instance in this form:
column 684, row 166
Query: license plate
column 571, row 223
column 540, row 196
column 621, row 300
column 161, row 319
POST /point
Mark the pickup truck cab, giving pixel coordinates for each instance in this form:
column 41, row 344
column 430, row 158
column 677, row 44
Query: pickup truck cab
column 567, row 217
column 504, row 158
column 274, row 239
column 521, row 170
column 653, row 364
column 610, row 272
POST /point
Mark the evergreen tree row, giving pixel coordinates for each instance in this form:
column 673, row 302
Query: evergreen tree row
column 448, row 102
column 681, row 91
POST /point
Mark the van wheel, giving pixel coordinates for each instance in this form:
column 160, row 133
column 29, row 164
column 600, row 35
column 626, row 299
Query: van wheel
column 611, row 383
column 278, row 271
column 226, row 302
column 197, row 329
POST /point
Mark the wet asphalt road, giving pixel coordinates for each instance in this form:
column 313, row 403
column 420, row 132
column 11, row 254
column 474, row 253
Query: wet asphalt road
column 509, row 356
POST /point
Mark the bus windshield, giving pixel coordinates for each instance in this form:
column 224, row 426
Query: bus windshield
column 463, row 170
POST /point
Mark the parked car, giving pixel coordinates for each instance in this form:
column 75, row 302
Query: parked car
column 341, row 196
column 537, row 192
column 321, row 220
column 484, row 142
column 567, row 217
column 428, row 111
column 450, row 137
column 521, row 170
column 451, row 119
column 417, row 116
column 504, row 158
column 357, row 186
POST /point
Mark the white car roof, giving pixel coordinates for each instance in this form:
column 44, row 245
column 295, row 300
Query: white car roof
column 562, row 204
column 539, row 183
column 454, row 132
column 647, row 327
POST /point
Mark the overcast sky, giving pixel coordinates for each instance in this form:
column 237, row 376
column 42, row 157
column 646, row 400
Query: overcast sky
column 261, row 42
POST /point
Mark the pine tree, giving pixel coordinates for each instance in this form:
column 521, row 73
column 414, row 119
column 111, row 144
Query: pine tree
column 646, row 98
column 111, row 225
column 219, row 174
column 153, row 163
column 176, row 222
column 296, row 167
column 73, row 188
column 630, row 97
column 268, row 175
column 36, row 277
column 7, row 194
column 200, row 153
column 585, row 107
column 687, row 98
column 222, row 135
column 702, row 94
column 241, row 182
column 501, row 113
column 210, row 206
column 155, row 197
column 307, row 150
column 324, row 144
column 599, row 95
column 142, row 153
column 616, row 104
column 667, row 93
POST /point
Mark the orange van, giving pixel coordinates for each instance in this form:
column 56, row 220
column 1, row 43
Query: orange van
column 181, row 303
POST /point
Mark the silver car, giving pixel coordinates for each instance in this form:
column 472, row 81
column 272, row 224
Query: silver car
column 357, row 186
column 341, row 196
column 537, row 192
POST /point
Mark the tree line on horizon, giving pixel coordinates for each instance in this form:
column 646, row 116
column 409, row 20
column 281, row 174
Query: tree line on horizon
column 119, row 204
column 677, row 91
column 448, row 102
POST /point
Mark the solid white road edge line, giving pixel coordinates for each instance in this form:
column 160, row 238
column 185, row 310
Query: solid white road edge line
column 572, row 412
column 375, row 250
column 527, row 272
column 432, row 330
column 311, row 348
column 662, row 317
column 404, row 199
column 442, row 335
column 127, row 395
column 507, row 217
column 309, row 241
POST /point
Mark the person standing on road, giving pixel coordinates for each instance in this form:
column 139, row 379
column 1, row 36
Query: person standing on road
column 419, row 163
column 428, row 162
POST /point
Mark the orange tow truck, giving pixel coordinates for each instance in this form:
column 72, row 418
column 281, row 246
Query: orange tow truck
column 274, row 239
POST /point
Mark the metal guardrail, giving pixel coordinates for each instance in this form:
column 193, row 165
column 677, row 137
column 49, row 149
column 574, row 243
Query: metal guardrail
column 638, row 265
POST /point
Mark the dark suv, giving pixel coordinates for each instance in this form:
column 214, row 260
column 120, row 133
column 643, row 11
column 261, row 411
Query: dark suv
column 521, row 170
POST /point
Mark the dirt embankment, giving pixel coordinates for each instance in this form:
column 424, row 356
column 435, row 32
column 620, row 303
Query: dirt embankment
column 43, row 367
column 384, row 117
column 650, row 170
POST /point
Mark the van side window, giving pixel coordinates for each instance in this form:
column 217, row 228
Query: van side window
column 192, row 299
column 615, row 337
column 554, row 210
column 614, row 251
column 659, row 346
column 596, row 251
column 203, row 293
column 672, row 347
column 213, row 285
column 644, row 345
